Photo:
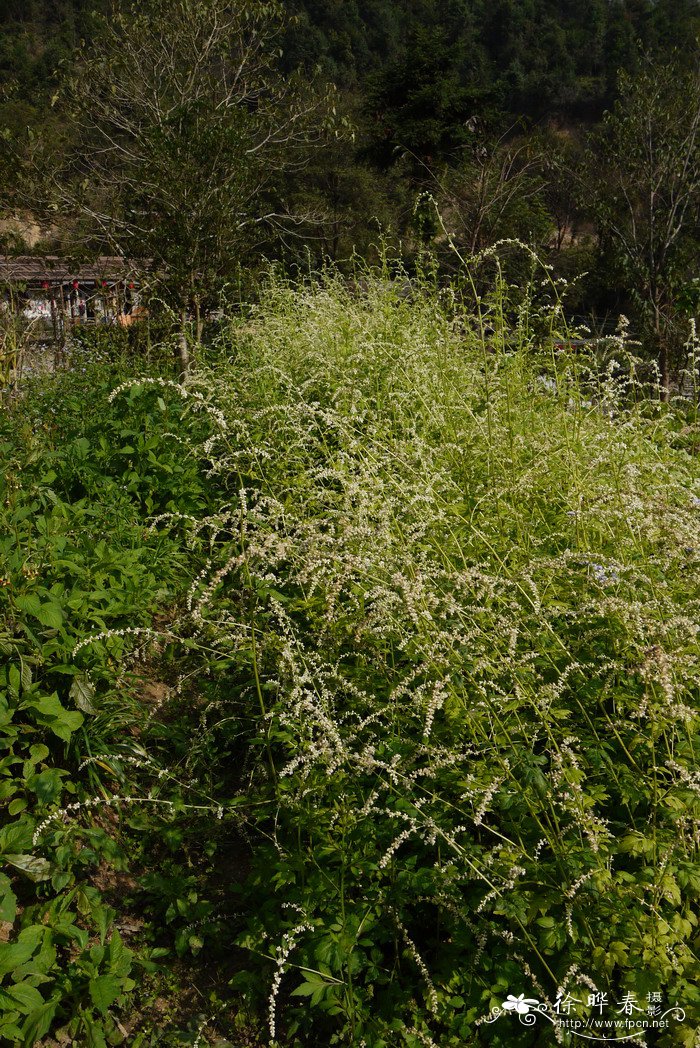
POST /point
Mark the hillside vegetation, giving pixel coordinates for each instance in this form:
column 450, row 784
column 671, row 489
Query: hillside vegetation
column 534, row 58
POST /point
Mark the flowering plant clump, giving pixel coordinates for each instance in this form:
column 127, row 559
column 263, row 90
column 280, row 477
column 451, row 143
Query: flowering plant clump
column 421, row 584
column 454, row 608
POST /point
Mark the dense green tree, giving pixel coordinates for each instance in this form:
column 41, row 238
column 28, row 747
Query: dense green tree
column 540, row 55
column 674, row 24
column 560, row 160
column 349, row 206
column 182, row 133
column 648, row 200
column 423, row 100
column 416, row 73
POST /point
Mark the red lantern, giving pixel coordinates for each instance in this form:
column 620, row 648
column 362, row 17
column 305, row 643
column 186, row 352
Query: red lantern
column 76, row 285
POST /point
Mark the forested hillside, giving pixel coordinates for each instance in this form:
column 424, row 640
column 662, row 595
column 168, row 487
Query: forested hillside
column 481, row 109
column 521, row 57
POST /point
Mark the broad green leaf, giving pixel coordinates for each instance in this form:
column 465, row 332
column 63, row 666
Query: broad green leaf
column 32, row 866
column 50, row 712
column 29, row 603
column 38, row 1022
column 119, row 957
column 50, row 614
column 15, row 680
column 8, row 900
column 20, row 996
column 17, row 836
column 94, row 1033
column 89, row 900
column 60, row 879
column 50, row 705
column 46, row 784
column 81, row 692
column 306, row 989
column 104, row 990
column 9, row 1029
column 12, row 955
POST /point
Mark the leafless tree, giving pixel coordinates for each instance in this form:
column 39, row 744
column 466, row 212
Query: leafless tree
column 494, row 191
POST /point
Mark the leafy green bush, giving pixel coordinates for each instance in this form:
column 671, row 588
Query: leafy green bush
column 76, row 563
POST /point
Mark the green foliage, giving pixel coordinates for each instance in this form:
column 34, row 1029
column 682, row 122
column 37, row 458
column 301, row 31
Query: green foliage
column 179, row 113
column 416, row 77
column 76, row 562
column 536, row 56
column 446, row 627
column 414, row 585
column 646, row 206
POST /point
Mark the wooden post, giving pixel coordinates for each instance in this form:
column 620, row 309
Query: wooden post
column 54, row 318
column 60, row 345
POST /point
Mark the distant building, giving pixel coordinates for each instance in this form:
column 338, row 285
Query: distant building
column 50, row 290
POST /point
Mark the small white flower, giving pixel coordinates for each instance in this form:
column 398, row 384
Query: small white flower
column 521, row 1004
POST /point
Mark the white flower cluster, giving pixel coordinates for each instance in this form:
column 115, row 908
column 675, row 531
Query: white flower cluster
column 115, row 801
column 420, row 964
column 454, row 593
column 290, row 939
column 126, row 631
